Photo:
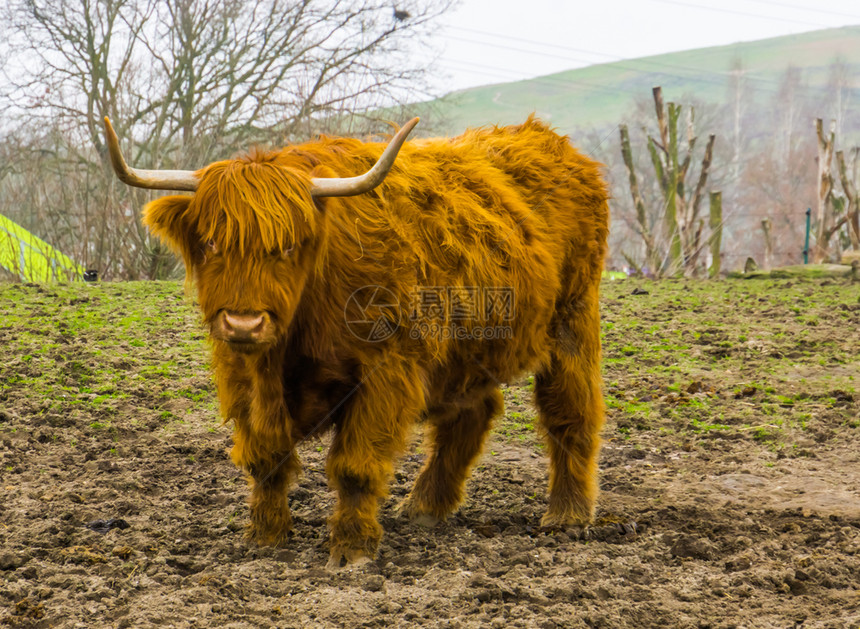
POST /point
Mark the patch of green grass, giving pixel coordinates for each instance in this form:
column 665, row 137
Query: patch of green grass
column 633, row 407
column 696, row 403
column 700, row 426
column 518, row 425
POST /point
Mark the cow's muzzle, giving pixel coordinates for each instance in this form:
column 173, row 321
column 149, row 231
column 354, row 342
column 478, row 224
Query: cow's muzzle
column 244, row 331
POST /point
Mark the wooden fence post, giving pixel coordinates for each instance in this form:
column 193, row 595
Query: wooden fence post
column 768, row 243
column 825, row 189
column 716, row 225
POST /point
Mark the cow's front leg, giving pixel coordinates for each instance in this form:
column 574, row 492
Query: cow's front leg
column 272, row 465
column 263, row 445
column 367, row 440
column 270, row 513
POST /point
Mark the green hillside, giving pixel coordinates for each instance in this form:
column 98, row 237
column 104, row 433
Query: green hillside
column 603, row 94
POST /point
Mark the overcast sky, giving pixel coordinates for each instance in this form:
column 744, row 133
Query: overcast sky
column 495, row 41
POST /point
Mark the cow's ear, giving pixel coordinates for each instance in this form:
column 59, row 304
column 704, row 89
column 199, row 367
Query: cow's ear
column 168, row 219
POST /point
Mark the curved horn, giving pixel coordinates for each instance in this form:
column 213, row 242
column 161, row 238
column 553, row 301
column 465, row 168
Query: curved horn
column 152, row 179
column 351, row 186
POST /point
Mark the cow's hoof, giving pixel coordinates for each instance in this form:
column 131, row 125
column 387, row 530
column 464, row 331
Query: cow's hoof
column 347, row 558
column 269, row 526
column 572, row 527
column 583, row 532
column 418, row 515
column 427, row 520
column 562, row 520
column 266, row 538
column 269, row 533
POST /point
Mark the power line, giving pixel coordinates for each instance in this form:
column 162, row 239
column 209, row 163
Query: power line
column 716, row 77
column 772, row 18
column 510, row 48
column 534, row 42
column 545, row 80
column 561, row 82
column 807, row 9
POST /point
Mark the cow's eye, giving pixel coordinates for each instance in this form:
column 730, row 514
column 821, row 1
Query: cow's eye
column 212, row 246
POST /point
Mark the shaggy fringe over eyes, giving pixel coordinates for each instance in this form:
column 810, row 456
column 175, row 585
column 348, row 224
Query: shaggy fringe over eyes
column 252, row 204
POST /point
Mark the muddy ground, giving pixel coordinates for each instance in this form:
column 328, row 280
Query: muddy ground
column 730, row 478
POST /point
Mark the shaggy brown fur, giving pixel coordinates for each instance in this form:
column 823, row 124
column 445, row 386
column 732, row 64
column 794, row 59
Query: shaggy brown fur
column 513, row 208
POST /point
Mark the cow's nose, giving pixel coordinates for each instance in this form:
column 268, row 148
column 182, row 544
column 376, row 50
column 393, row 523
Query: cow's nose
column 245, row 328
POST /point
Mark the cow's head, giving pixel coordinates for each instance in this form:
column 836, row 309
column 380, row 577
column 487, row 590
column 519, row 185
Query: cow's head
column 250, row 234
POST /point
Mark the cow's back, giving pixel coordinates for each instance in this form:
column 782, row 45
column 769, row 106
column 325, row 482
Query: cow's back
column 514, row 209
column 558, row 182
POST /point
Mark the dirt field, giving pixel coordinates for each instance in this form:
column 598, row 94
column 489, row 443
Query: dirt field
column 730, row 478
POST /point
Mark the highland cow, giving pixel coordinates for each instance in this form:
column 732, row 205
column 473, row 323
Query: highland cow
column 361, row 303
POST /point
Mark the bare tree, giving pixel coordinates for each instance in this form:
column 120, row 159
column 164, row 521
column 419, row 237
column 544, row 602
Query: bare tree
column 850, row 179
column 764, row 168
column 644, row 226
column 739, row 102
column 682, row 224
column 790, row 116
column 186, row 81
column 776, row 179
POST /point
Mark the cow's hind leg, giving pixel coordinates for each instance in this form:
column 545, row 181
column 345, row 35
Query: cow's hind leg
column 568, row 396
column 455, row 434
